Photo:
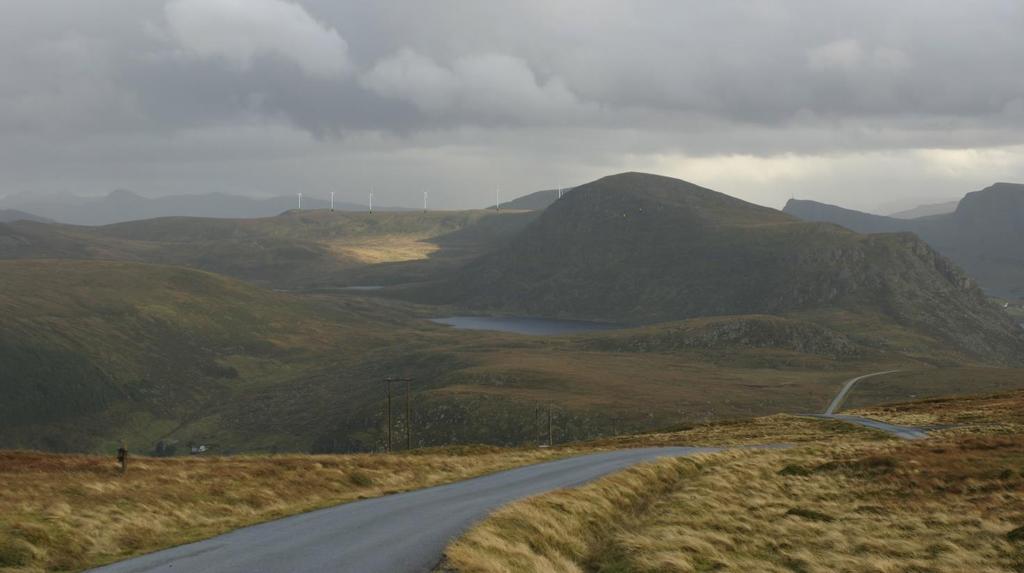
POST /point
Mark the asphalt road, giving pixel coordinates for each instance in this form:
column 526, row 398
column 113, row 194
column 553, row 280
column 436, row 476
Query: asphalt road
column 847, row 386
column 904, row 432
column 398, row 533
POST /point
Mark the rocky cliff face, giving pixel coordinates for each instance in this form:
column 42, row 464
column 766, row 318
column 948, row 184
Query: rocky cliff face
column 983, row 235
column 640, row 248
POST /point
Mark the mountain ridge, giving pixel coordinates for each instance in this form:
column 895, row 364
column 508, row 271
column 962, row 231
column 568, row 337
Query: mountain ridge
column 638, row 248
column 983, row 235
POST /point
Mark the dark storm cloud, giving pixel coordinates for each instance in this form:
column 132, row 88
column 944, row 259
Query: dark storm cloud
column 109, row 93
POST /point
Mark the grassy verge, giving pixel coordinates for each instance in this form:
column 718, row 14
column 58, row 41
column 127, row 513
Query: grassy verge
column 952, row 503
column 69, row 512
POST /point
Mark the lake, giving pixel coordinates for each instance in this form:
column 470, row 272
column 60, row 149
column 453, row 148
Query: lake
column 533, row 326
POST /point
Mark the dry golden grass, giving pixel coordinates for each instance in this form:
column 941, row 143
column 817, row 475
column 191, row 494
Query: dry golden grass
column 384, row 249
column 561, row 530
column 946, row 504
column 68, row 512
column 777, row 429
column 1001, row 413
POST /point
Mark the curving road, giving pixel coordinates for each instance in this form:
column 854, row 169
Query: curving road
column 847, row 386
column 904, row 432
column 398, row 533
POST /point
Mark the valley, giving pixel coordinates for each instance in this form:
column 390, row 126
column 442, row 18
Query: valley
column 275, row 334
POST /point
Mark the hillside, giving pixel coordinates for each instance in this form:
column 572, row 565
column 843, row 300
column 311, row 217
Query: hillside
column 536, row 201
column 295, row 249
column 849, row 218
column 97, row 351
column 640, row 248
column 94, row 350
column 982, row 235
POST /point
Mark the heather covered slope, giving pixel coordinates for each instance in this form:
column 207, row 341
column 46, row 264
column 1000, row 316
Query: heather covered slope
column 96, row 350
column 641, row 248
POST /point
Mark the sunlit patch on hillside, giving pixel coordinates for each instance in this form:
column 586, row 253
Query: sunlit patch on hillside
column 385, row 249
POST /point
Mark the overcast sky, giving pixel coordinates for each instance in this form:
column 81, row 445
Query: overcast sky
column 874, row 105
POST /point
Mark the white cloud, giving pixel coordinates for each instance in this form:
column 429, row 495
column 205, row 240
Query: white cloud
column 239, row 31
column 415, row 78
column 493, row 85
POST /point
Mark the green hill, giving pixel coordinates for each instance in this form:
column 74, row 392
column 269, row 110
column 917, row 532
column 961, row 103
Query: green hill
column 295, row 249
column 640, row 248
column 91, row 349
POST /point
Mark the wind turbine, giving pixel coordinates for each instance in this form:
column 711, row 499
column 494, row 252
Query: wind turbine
column 332, row 200
column 424, row 201
column 300, row 201
column 371, row 201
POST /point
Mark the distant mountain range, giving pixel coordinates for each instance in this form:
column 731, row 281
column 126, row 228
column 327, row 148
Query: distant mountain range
column 926, row 210
column 984, row 234
column 120, row 206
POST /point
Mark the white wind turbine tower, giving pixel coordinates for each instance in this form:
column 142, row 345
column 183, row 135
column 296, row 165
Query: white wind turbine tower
column 424, row 201
column 300, row 201
column 332, row 200
column 371, row 201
